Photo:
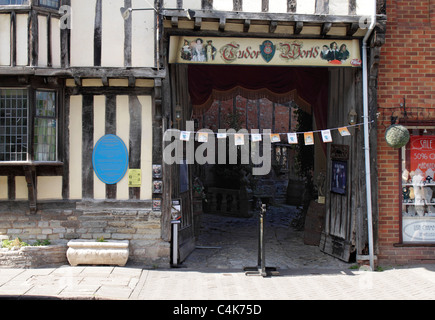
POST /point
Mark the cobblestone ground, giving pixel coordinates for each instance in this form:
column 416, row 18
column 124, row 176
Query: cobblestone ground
column 230, row 242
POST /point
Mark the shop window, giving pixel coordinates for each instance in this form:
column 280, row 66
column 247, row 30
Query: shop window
column 14, row 2
column 418, row 186
column 15, row 125
column 45, row 127
column 49, row 3
column 43, row 3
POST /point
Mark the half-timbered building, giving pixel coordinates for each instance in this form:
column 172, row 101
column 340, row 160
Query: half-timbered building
column 75, row 72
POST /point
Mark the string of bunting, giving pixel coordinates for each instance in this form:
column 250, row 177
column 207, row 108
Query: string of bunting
column 292, row 137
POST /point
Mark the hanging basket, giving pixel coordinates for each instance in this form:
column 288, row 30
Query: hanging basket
column 397, row 136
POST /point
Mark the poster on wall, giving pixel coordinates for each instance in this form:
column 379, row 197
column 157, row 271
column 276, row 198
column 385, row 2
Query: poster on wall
column 253, row 51
column 134, row 178
column 157, row 204
column 339, row 177
column 422, row 153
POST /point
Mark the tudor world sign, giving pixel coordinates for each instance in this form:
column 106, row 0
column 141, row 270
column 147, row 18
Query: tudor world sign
column 250, row 51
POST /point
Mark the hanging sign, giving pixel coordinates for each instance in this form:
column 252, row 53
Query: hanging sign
column 252, row 51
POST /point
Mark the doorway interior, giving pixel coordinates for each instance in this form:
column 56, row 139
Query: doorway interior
column 224, row 218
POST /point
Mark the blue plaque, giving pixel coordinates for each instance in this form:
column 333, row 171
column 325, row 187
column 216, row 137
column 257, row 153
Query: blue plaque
column 110, row 159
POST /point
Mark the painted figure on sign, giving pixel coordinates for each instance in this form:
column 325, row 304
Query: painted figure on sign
column 186, row 52
column 198, row 51
column 210, row 51
column 343, row 54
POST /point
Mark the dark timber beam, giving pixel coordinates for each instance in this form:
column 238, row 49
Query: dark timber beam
column 298, row 27
column 272, row 26
column 198, row 23
column 352, row 29
column 326, row 27
column 246, row 25
column 222, row 23
column 30, row 174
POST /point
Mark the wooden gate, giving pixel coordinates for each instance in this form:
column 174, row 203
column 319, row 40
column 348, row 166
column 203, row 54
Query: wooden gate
column 182, row 180
column 345, row 231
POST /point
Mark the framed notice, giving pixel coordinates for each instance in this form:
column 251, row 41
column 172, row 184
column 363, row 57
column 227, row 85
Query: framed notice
column 157, row 171
column 157, row 186
column 157, row 204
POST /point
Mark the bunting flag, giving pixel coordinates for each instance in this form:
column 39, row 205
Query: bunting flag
column 344, row 131
column 220, row 135
column 274, row 137
column 202, row 136
column 239, row 139
column 292, row 137
column 256, row 137
column 308, row 138
column 185, row 135
column 326, row 136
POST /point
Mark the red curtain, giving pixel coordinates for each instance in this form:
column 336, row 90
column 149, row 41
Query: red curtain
column 307, row 84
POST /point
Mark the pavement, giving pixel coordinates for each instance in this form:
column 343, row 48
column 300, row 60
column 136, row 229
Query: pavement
column 215, row 272
column 136, row 283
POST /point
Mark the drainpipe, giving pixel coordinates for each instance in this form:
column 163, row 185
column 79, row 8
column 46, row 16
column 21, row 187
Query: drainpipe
column 366, row 136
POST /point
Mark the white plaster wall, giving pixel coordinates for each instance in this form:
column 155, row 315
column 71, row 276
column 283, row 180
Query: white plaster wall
column 49, row 188
column 189, row 4
column 306, row 7
column 3, row 188
column 143, row 37
column 223, row 5
column 22, row 39
column 338, row 7
column 55, row 43
column 5, row 39
column 21, row 190
column 365, row 7
column 112, row 44
column 42, row 41
column 82, row 32
column 278, row 6
column 170, row 4
column 252, row 6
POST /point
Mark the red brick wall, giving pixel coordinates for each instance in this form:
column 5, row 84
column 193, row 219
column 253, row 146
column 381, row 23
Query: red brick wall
column 407, row 70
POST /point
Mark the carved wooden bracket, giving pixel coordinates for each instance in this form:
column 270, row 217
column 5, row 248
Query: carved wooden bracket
column 30, row 173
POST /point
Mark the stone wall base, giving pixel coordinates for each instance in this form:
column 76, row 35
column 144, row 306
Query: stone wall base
column 111, row 220
column 33, row 257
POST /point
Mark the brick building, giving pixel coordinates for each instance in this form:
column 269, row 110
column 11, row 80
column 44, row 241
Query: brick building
column 406, row 96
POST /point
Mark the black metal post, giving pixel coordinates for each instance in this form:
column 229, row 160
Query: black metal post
column 261, row 269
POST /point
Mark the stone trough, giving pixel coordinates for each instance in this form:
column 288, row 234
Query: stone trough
column 92, row 252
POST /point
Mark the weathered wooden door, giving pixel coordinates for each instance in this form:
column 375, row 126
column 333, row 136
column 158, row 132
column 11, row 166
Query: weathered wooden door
column 345, row 225
column 182, row 173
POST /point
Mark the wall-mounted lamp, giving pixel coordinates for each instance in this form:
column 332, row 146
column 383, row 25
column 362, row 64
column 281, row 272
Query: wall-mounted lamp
column 178, row 113
column 126, row 12
column 352, row 117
